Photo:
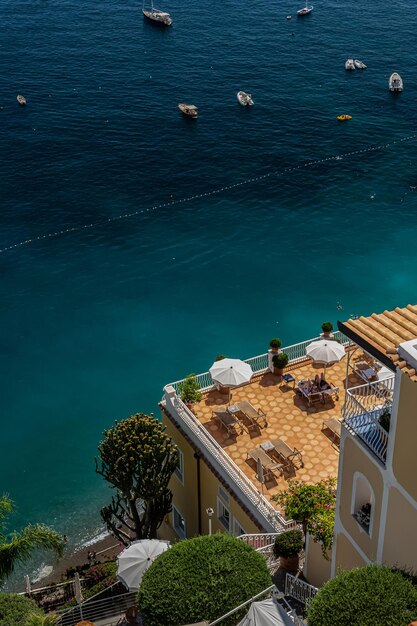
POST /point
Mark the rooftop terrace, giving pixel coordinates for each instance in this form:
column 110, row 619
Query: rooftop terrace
column 289, row 418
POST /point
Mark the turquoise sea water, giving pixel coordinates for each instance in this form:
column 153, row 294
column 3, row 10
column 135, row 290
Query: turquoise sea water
column 96, row 321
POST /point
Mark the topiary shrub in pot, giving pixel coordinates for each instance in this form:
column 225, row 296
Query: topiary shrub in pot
column 287, row 547
column 327, row 328
column 275, row 344
column 190, row 390
column 279, row 361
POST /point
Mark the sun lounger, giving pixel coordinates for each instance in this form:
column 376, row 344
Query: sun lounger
column 334, row 427
column 284, row 452
column 251, row 413
column 268, row 464
column 228, row 420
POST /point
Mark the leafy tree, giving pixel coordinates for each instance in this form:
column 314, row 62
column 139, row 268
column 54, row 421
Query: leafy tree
column 14, row 609
column 373, row 595
column 313, row 506
column 137, row 458
column 19, row 546
column 202, row 579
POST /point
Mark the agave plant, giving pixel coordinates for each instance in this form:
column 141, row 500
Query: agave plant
column 33, row 619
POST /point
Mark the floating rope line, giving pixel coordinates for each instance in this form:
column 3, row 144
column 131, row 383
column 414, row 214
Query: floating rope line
column 198, row 196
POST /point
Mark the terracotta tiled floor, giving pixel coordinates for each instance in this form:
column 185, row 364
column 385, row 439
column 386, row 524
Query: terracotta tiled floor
column 289, row 418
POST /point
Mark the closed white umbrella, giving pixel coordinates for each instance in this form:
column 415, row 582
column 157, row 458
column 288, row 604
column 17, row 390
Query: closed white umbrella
column 133, row 562
column 231, row 372
column 266, row 613
column 325, row 351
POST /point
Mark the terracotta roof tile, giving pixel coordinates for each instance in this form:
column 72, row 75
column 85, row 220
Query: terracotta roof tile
column 385, row 331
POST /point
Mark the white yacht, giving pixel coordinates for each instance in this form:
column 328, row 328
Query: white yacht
column 395, row 82
column 359, row 64
column 156, row 15
column 350, row 65
column 245, row 99
column 305, row 10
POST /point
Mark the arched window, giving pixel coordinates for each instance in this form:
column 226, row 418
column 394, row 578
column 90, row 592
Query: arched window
column 363, row 502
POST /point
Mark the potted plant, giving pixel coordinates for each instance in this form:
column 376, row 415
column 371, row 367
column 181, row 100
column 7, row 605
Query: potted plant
column 190, row 390
column 279, row 361
column 287, row 547
column 220, row 357
column 275, row 344
column 327, row 328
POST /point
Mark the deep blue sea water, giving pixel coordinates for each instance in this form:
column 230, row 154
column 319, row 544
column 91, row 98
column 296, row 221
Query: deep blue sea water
column 96, row 321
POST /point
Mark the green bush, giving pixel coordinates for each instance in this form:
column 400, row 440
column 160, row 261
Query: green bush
column 275, row 343
column 190, row 389
column 289, row 543
column 327, row 327
column 280, row 360
column 368, row 596
column 15, row 609
column 385, row 419
column 201, row 579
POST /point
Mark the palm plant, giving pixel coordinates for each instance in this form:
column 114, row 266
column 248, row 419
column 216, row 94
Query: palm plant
column 19, row 546
column 42, row 620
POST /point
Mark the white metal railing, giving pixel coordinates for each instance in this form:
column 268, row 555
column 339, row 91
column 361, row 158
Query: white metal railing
column 366, row 426
column 225, row 465
column 299, row 590
column 368, row 397
column 96, row 608
column 259, row 364
column 259, row 541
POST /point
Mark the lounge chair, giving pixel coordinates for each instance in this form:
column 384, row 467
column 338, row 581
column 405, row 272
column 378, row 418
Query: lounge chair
column 268, row 464
column 329, row 393
column 251, row 413
column 228, row 420
column 284, row 452
column 334, row 426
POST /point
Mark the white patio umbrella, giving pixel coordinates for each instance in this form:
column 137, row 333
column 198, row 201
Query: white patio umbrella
column 133, row 562
column 231, row 372
column 266, row 613
column 326, row 351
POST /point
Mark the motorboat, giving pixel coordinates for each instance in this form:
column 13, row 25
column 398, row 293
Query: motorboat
column 188, row 109
column 161, row 17
column 350, row 65
column 289, row 17
column 305, row 10
column 344, row 117
column 395, row 82
column 359, row 64
column 245, row 99
column 21, row 100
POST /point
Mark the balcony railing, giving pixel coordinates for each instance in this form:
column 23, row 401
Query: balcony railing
column 107, row 604
column 259, row 364
column 362, row 410
column 299, row 589
column 259, row 541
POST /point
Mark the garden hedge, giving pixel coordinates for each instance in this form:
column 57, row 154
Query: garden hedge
column 368, row 596
column 201, row 579
column 14, row 609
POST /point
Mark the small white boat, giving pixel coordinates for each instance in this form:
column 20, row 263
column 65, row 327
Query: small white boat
column 157, row 16
column 350, row 65
column 245, row 99
column 359, row 64
column 188, row 109
column 395, row 82
column 305, row 10
column 289, row 17
column 21, row 100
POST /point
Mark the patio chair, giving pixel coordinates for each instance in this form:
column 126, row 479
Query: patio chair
column 228, row 420
column 268, row 464
column 287, row 454
column 329, row 393
column 251, row 413
column 334, row 426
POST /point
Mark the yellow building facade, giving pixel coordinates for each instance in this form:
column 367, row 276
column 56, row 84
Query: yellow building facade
column 376, row 516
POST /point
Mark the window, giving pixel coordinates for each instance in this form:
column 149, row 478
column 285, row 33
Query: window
column 179, row 470
column 178, row 522
column 223, row 514
column 362, row 502
column 237, row 528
